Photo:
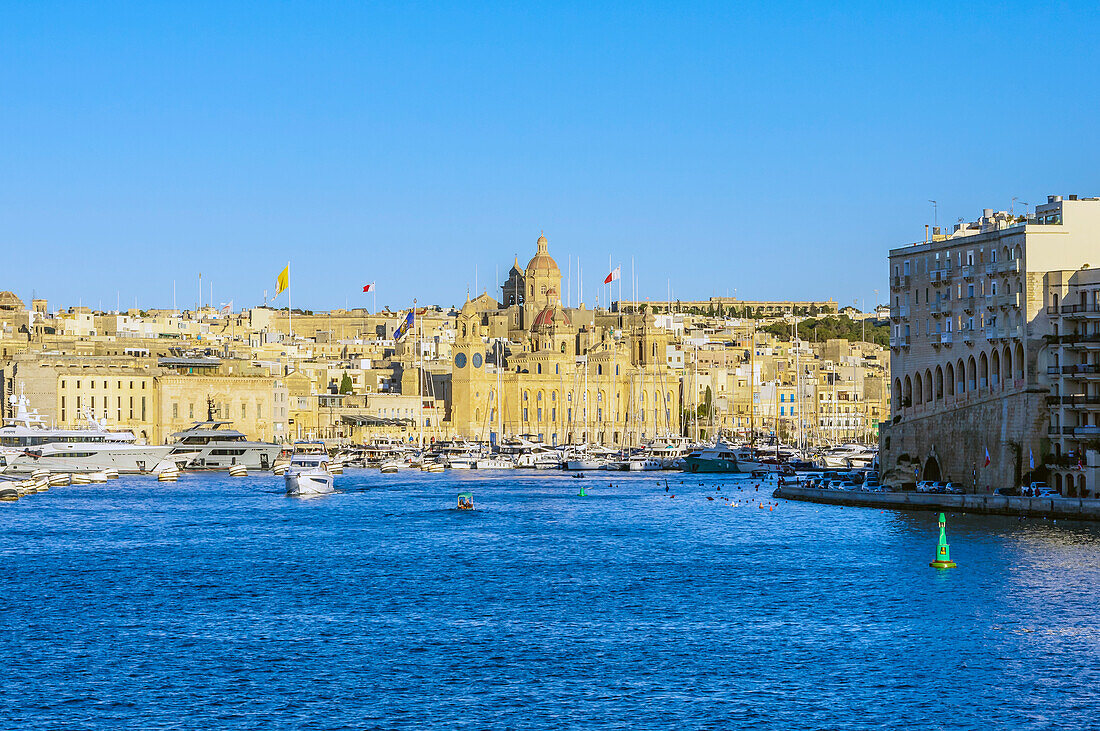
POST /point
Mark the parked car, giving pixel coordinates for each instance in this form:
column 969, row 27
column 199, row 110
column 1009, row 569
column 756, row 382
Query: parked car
column 926, row 486
column 1007, row 491
column 1039, row 489
column 953, row 488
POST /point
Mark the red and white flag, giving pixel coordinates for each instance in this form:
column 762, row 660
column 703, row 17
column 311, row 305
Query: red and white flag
column 227, row 307
column 368, row 287
column 615, row 274
column 986, row 457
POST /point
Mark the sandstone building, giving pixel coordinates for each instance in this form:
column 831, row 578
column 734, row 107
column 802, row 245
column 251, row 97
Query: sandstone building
column 971, row 367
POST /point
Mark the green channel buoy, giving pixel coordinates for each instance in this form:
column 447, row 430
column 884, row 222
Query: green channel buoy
column 582, row 493
column 943, row 552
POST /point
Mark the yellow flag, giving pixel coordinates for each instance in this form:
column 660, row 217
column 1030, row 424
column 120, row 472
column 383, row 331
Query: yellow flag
column 282, row 281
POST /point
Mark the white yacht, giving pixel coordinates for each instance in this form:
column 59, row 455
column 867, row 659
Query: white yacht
column 584, row 458
column 308, row 475
column 27, row 444
column 849, row 456
column 495, row 463
column 212, row 445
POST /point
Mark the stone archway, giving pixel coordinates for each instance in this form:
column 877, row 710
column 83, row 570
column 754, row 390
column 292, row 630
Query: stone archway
column 931, row 469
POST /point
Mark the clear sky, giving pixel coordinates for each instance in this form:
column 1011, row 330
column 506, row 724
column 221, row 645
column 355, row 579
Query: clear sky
column 776, row 150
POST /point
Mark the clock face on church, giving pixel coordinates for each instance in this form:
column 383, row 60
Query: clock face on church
column 460, row 360
column 477, row 360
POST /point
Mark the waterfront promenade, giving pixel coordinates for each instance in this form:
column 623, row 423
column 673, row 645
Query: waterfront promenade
column 1030, row 507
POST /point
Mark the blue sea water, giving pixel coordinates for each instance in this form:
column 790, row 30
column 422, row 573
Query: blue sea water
column 220, row 603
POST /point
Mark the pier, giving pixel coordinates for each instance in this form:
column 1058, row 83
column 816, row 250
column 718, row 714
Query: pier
column 1029, row 507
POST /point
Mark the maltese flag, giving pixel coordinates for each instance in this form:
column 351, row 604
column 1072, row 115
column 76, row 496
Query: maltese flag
column 986, row 457
column 368, row 287
column 615, row 274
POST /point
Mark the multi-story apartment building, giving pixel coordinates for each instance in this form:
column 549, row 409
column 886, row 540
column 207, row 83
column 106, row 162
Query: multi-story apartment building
column 969, row 326
column 1072, row 358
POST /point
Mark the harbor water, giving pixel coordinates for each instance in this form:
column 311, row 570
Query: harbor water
column 217, row 602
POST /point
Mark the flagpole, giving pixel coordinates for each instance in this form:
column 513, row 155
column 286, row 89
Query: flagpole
column 419, row 375
column 374, row 298
column 289, row 303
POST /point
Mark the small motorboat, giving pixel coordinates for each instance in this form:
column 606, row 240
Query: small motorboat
column 389, row 467
column 465, row 501
column 308, row 474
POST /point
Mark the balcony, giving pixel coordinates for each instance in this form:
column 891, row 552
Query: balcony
column 1012, row 266
column 899, row 312
column 1085, row 310
column 901, row 281
column 1076, row 340
column 1005, row 301
column 994, row 333
column 991, row 268
column 967, row 335
column 969, row 303
column 900, row 341
column 1086, row 431
column 1078, row 399
column 1081, row 369
column 946, row 338
column 990, row 302
column 967, row 271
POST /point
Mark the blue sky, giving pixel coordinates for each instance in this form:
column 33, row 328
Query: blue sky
column 776, row 150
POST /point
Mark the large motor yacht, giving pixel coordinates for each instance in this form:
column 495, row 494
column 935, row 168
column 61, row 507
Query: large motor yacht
column 27, row 444
column 723, row 457
column 213, row 445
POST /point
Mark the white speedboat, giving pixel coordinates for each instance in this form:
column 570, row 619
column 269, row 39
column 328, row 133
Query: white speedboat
column 642, row 463
column 308, row 475
column 495, row 463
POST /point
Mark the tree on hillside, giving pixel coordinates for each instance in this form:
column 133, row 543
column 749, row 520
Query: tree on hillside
column 345, row 383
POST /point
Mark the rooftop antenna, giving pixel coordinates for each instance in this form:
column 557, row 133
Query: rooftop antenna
column 935, row 212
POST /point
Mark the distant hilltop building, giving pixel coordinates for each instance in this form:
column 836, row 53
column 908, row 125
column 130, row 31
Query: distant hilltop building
column 995, row 348
column 733, row 307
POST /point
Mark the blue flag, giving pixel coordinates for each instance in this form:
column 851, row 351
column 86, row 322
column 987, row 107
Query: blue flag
column 404, row 327
column 1031, row 458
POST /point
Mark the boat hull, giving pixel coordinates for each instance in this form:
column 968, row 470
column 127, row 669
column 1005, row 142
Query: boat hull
column 86, row 458
column 211, row 458
column 495, row 464
column 309, row 482
column 696, row 465
column 584, row 464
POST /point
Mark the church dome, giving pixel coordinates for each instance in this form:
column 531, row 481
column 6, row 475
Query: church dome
column 543, row 264
column 551, row 316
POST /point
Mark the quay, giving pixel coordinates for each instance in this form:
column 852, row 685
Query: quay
column 1029, row 507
